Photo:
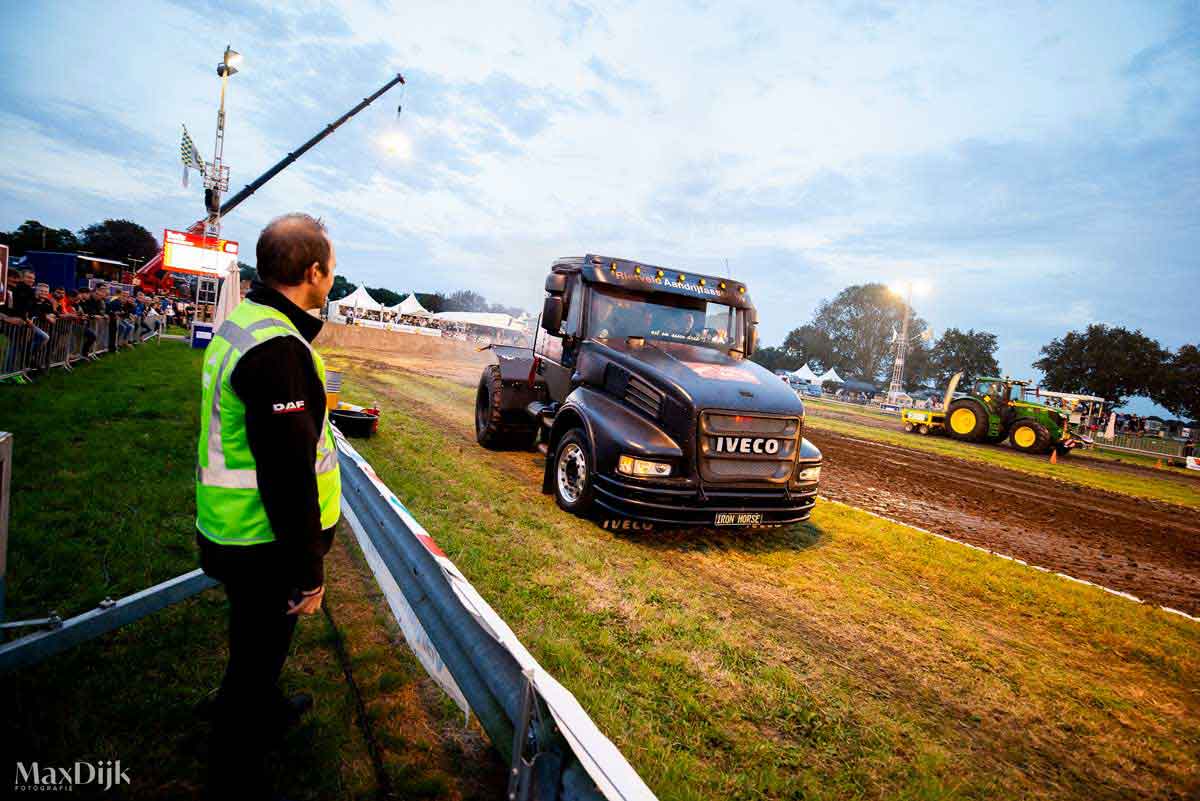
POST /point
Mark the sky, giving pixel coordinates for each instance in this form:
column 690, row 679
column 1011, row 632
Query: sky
column 1037, row 164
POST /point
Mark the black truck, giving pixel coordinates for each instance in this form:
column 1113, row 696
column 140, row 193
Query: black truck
column 640, row 392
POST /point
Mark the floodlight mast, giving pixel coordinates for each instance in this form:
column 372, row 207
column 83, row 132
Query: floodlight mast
column 154, row 265
column 216, row 179
column 896, row 388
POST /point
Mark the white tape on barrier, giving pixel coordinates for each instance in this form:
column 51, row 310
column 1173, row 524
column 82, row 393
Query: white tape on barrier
column 604, row 763
column 1193, row 463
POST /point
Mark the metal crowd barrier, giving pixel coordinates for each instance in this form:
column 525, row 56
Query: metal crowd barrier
column 18, row 348
column 100, row 327
column 1158, row 446
column 23, row 350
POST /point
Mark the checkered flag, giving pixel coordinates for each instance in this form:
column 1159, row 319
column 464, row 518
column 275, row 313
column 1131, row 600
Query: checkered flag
column 190, row 156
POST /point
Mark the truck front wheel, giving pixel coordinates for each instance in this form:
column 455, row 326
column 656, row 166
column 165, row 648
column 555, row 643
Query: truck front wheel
column 573, row 472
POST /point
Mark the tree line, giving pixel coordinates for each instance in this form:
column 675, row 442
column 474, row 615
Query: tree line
column 124, row 240
column 855, row 333
column 121, row 240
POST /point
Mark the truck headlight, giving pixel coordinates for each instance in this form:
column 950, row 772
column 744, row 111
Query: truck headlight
column 642, row 467
column 809, row 474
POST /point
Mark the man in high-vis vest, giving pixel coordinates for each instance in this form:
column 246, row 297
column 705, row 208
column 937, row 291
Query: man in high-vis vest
column 267, row 491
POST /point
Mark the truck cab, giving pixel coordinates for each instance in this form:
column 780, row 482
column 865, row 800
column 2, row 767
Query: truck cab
column 640, row 392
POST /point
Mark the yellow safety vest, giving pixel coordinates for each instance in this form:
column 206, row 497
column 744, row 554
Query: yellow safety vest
column 229, row 508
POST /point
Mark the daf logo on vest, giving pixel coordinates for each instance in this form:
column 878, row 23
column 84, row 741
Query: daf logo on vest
column 290, row 406
column 745, row 445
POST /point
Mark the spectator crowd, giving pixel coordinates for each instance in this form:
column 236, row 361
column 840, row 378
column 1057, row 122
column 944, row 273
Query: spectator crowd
column 33, row 314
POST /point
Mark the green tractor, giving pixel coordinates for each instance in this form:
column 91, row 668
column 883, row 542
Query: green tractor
column 997, row 409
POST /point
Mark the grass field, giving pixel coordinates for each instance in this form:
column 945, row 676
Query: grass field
column 1172, row 486
column 846, row 658
column 102, row 504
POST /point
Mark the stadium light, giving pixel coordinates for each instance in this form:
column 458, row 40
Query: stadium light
column 395, row 143
column 230, row 64
column 917, row 287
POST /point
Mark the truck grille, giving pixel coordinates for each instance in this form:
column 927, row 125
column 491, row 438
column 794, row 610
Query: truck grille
column 736, row 447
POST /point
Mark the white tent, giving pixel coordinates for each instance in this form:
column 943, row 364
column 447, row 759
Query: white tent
column 360, row 299
column 230, row 296
column 410, row 306
column 830, row 375
column 485, row 319
column 805, row 373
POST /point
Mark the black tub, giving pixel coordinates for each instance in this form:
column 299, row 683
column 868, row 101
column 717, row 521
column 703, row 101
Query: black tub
column 354, row 424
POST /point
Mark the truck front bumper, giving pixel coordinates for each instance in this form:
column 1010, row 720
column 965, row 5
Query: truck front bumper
column 704, row 507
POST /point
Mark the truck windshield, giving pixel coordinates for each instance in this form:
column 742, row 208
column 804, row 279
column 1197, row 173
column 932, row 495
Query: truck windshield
column 617, row 314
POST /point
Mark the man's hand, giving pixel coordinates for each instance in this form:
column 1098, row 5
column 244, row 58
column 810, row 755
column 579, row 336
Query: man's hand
column 310, row 602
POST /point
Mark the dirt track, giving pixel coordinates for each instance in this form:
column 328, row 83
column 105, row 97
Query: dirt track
column 1143, row 547
column 1180, row 477
column 1139, row 546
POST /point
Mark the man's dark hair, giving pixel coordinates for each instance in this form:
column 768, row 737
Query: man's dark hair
column 288, row 246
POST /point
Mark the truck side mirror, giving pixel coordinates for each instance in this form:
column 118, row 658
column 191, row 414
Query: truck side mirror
column 556, row 283
column 751, row 338
column 552, row 312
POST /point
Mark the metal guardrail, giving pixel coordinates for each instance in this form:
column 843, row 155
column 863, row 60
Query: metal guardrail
column 109, row 615
column 6, row 449
column 557, row 751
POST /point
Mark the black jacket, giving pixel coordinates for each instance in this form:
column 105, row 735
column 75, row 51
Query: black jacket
column 272, row 380
column 23, row 296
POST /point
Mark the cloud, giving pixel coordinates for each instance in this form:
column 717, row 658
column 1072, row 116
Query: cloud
column 1037, row 162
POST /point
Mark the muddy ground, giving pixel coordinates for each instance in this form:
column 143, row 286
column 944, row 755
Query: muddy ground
column 1144, row 547
column 1147, row 548
column 1116, row 465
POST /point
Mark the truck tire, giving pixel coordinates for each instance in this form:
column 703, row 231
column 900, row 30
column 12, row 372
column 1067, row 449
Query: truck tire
column 967, row 420
column 572, row 473
column 1028, row 436
column 492, row 431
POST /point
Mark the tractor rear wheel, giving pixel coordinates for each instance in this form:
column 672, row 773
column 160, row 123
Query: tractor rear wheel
column 1028, row 436
column 967, row 420
column 908, row 427
column 492, row 430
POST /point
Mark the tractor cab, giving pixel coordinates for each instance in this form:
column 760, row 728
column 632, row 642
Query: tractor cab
column 1000, row 391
